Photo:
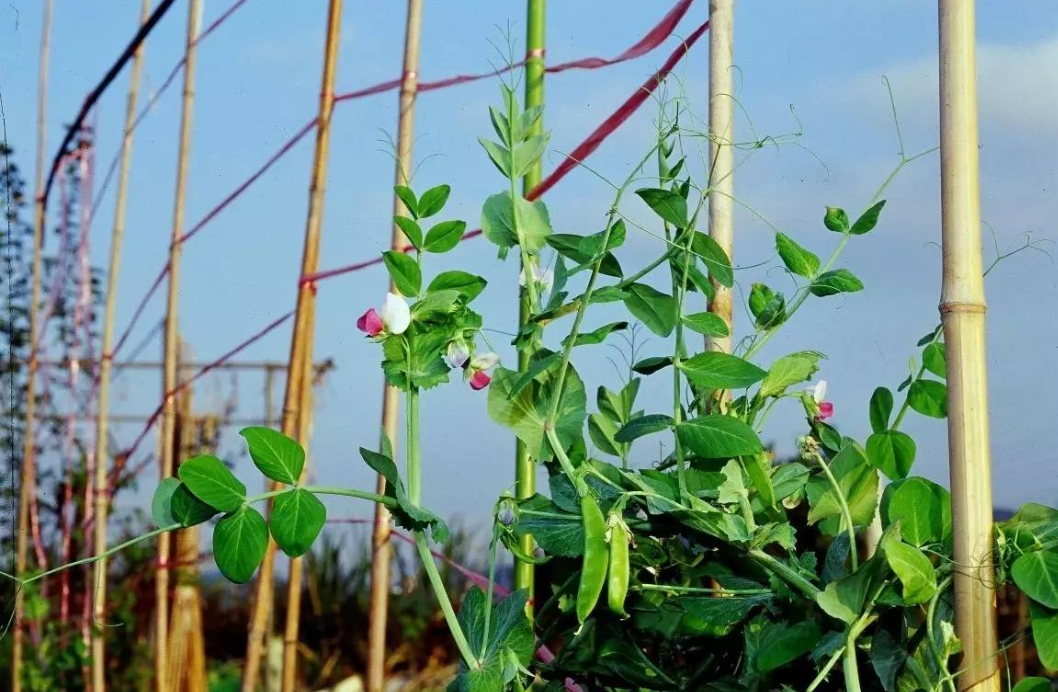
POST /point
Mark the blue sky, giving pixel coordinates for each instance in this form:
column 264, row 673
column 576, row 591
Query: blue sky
column 258, row 81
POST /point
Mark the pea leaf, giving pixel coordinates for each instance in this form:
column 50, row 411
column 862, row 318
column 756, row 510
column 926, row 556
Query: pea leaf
column 597, row 336
column 277, row 456
column 1045, row 634
column 556, row 531
column 857, row 481
column 162, row 503
column 868, row 220
column 410, row 229
column 528, row 153
column 643, row 425
column 923, row 509
column 836, row 220
column 891, row 452
column 706, row 323
column 433, row 200
column 846, row 597
column 297, row 518
column 917, row 577
column 669, row 205
column 444, row 236
column 406, row 515
column 788, row 371
column 780, row 643
column 928, row 397
column 497, row 222
column 834, row 282
column 468, row 285
column 656, row 310
column 718, row 437
column 649, row 366
column 525, row 412
column 1032, row 685
column 404, row 271
column 571, row 246
column 188, row 510
column 881, row 409
column 1036, row 574
column 408, row 198
column 767, row 306
column 210, row 480
column 797, row 259
column 239, row 542
column 719, row 370
column 509, row 636
column 715, row 259
column 499, row 155
column 934, row 360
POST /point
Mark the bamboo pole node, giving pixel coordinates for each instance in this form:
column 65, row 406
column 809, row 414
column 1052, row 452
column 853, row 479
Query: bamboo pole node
column 960, row 307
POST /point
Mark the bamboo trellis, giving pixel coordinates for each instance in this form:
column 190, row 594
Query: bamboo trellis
column 721, row 153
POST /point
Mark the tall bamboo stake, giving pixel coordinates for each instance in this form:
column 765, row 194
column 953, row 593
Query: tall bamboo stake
column 525, row 467
column 169, row 372
column 28, row 480
column 302, row 338
column 721, row 152
column 105, row 364
column 962, row 308
column 381, row 550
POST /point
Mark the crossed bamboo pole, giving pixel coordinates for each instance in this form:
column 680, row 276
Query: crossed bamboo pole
column 106, row 363
column 381, row 549
column 962, row 309
column 295, row 398
column 28, row 480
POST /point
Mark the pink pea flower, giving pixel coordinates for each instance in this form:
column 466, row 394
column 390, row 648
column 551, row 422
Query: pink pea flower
column 395, row 318
column 479, row 379
column 818, row 394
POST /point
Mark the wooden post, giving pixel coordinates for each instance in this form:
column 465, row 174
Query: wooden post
column 962, row 308
column 102, row 504
column 171, row 355
column 525, row 465
column 381, row 550
column 721, row 152
column 301, row 338
column 28, row 479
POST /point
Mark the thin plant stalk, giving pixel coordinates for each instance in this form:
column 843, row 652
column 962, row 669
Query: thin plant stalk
column 381, row 549
column 301, row 345
column 28, row 480
column 721, row 154
column 171, row 352
column 102, row 507
column 962, row 309
column 525, row 468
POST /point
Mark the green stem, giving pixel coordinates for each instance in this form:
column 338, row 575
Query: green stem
column 412, row 443
column 565, row 463
column 942, row 662
column 851, row 666
column 488, row 595
column 350, row 492
column 445, row 602
column 786, row 573
column 96, row 558
column 846, row 513
column 825, row 671
column 667, row 588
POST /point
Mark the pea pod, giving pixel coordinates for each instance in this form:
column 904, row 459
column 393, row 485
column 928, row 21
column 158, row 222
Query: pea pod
column 596, row 557
column 617, row 584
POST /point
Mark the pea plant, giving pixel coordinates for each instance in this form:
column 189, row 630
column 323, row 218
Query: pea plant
column 701, row 569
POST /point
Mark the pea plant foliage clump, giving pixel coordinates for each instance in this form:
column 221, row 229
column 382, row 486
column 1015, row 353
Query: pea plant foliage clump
column 700, row 570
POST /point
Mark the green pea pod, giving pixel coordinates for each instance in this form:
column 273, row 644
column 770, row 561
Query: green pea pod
column 596, row 558
column 617, row 584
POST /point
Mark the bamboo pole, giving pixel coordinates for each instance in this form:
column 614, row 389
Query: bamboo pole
column 301, row 339
column 105, row 364
column 962, row 308
column 28, row 480
column 169, row 373
column 381, row 549
column 721, row 153
column 525, row 466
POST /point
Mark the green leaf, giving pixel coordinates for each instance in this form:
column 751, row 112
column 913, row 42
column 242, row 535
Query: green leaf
column 928, row 397
column 526, row 412
column 834, row 282
column 881, row 409
column 718, row 437
column 1036, row 574
column 162, row 503
column 868, row 220
column 836, row 220
column 767, row 306
column 934, row 360
column 888, row 658
column 210, row 480
column 444, row 236
column 499, row 155
column 707, row 323
column 406, row 515
column 780, row 643
column 923, row 509
column 891, row 452
column 557, row 532
column 656, row 310
column 715, row 617
column 276, row 456
column 527, row 153
column 510, row 636
column 719, row 370
column 649, row 366
column 797, row 259
column 541, row 363
column 597, row 336
column 788, row 371
column 715, row 259
column 857, row 481
column 433, row 200
column 1045, row 634
column 570, row 246
column 188, row 510
column 1033, row 685
column 239, row 542
column 670, row 206
column 408, row 198
column 913, row 569
column 497, row 222
column 845, row 598
column 643, row 425
column 297, row 518
column 404, row 271
column 834, row 565
column 410, row 229
column 601, row 430
column 468, row 285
